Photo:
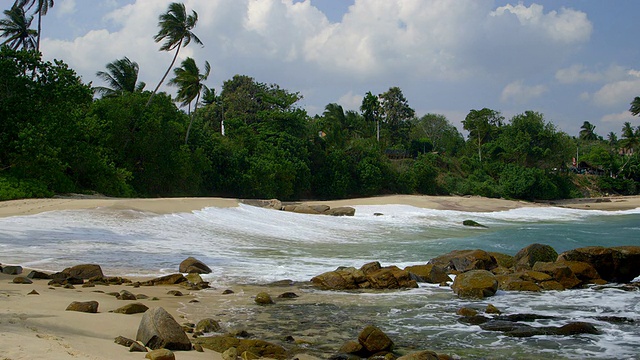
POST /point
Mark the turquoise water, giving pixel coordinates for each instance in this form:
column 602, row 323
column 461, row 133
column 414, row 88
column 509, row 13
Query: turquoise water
column 257, row 246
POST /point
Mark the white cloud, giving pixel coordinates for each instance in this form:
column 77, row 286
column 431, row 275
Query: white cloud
column 65, row 7
column 520, row 93
column 617, row 93
column 351, row 101
column 579, row 73
column 619, row 118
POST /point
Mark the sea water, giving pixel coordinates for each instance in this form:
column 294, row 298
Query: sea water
column 250, row 245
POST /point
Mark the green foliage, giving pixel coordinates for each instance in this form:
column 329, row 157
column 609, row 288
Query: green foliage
column 12, row 188
column 618, row 185
column 425, row 174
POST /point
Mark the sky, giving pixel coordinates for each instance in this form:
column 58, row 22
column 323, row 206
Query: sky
column 572, row 61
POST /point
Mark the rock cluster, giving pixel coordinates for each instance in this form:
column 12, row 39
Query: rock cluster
column 369, row 276
column 302, row 208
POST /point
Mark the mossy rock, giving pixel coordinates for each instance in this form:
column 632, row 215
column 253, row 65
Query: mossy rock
column 473, row 224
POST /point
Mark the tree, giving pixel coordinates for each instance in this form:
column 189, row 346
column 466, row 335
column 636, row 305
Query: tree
column 587, row 132
column 396, row 114
column 371, row 110
column 15, row 28
column 630, row 136
column 190, row 85
column 175, row 29
column 121, row 76
column 612, row 139
column 635, row 106
column 441, row 133
column 42, row 8
column 482, row 125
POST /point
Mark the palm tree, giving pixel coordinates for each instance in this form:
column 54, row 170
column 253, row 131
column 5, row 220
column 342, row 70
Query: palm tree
column 190, row 85
column 175, row 30
column 630, row 136
column 587, row 131
column 121, row 76
column 635, row 106
column 612, row 138
column 42, row 7
column 15, row 28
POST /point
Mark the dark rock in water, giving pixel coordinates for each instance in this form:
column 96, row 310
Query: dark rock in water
column 86, row 306
column 341, row 211
column 193, row 265
column 263, row 298
column 38, row 275
column 504, row 260
column 133, row 308
column 370, row 276
column 617, row 264
column 258, row 347
column 466, row 311
column 288, row 295
column 465, row 260
column 477, row 284
column 84, row 271
column 374, row 340
column 429, row 273
column 12, row 270
column 500, row 325
column 207, row 326
column 420, row 355
column 474, row 320
column 121, row 340
column 473, row 224
column 158, row 329
column 22, row 280
column 175, row 293
column 528, row 256
column 616, row 319
column 576, row 328
column 228, row 292
column 172, row 279
column 524, row 317
column 559, row 272
column 585, row 272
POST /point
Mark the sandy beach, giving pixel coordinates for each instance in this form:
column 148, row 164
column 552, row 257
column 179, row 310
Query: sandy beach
column 38, row 327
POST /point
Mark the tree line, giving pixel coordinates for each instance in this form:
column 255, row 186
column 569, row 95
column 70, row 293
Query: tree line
column 253, row 140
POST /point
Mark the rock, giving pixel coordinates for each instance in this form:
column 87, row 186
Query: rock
column 473, row 224
column 207, row 326
column 391, row 278
column 12, row 270
column 175, row 293
column 194, row 278
column 514, row 282
column 133, row 308
column 248, row 355
column 172, row 279
column 374, row 340
column 263, row 298
column 33, row 292
column 230, row 354
column 158, row 329
column 617, row 264
column 288, row 295
column 341, row 211
column 476, row 284
column 84, row 271
column 137, row 347
column 34, row 274
column 491, row 309
column 528, row 256
column 341, row 279
column 258, row 347
column 576, row 328
column 86, row 306
column 429, row 273
column 370, row 276
column 305, row 209
column 21, row 280
column 198, row 348
column 466, row 260
column 121, row 340
column 160, row 354
column 585, row 272
column 421, row 355
column 369, row 268
column 351, row 347
column 504, row 260
column 559, row 272
column 193, row 265
column 228, row 292
column 126, row 295
column 467, row 312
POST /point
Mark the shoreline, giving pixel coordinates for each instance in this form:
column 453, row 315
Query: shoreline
column 161, row 206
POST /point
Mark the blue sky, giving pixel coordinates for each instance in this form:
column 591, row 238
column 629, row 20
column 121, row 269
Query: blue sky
column 573, row 61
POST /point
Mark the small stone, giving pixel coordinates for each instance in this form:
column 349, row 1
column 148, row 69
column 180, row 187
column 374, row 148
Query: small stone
column 491, row 309
column 160, row 354
column 207, row 326
column 121, row 340
column 126, row 295
column 288, row 295
column 263, row 299
column 33, row 292
column 87, row 306
column 133, row 308
column 141, row 297
column 198, row 348
column 12, row 270
column 230, row 354
column 137, row 347
column 22, row 280
column 467, row 312
column 175, row 293
column 88, row 285
column 194, row 301
column 69, row 286
column 227, row 292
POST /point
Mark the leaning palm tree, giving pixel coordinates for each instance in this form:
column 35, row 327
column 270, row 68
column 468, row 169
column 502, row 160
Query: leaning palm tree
column 190, row 85
column 175, row 29
column 587, row 131
column 121, row 77
column 15, row 28
column 42, row 7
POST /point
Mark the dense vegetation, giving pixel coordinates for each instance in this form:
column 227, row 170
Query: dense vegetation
column 253, row 140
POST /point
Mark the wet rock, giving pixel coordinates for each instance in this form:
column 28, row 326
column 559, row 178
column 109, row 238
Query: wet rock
column 207, row 326
column 305, row 209
column 374, row 340
column 34, row 274
column 248, row 355
column 344, row 356
column 193, row 265
column 504, row 260
column 466, row 311
column 473, row 223
column 429, row 273
column 474, row 320
column 288, row 295
column 491, row 309
column 352, row 347
column 83, row 271
column 528, row 256
column 559, row 272
column 465, row 260
column 172, row 279
column 576, row 328
column 585, row 272
column 477, row 284
column 391, row 278
column 194, row 278
column 158, row 329
column 133, row 308
column 125, row 295
column 12, row 270
column 340, row 279
column 263, row 298
column 121, row 340
column 21, row 280
column 160, row 354
column 230, row 354
column 175, row 293
column 258, row 347
column 341, row 211
column 420, row 355
column 85, row 306
column 228, row 292
column 617, row 264
column 514, row 283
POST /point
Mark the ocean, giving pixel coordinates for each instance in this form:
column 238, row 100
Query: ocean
column 254, row 246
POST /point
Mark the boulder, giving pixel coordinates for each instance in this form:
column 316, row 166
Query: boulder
column 193, row 265
column 429, row 273
column 391, row 278
column 504, row 260
column 617, row 264
column 305, row 209
column 230, row 354
column 12, row 270
column 585, row 272
column 341, row 211
column 559, row 272
column 527, row 257
column 121, row 340
column 374, row 340
column 420, row 355
column 86, row 306
column 465, row 260
column 369, row 276
column 340, row 279
column 34, row 274
column 263, row 298
column 172, row 279
column 207, row 326
column 133, row 308
column 160, row 354
column 473, row 223
column 84, row 271
column 137, row 347
column 194, row 278
column 126, row 295
column 260, row 348
column 22, row 280
column 476, row 284
column 158, row 329
column 351, row 347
